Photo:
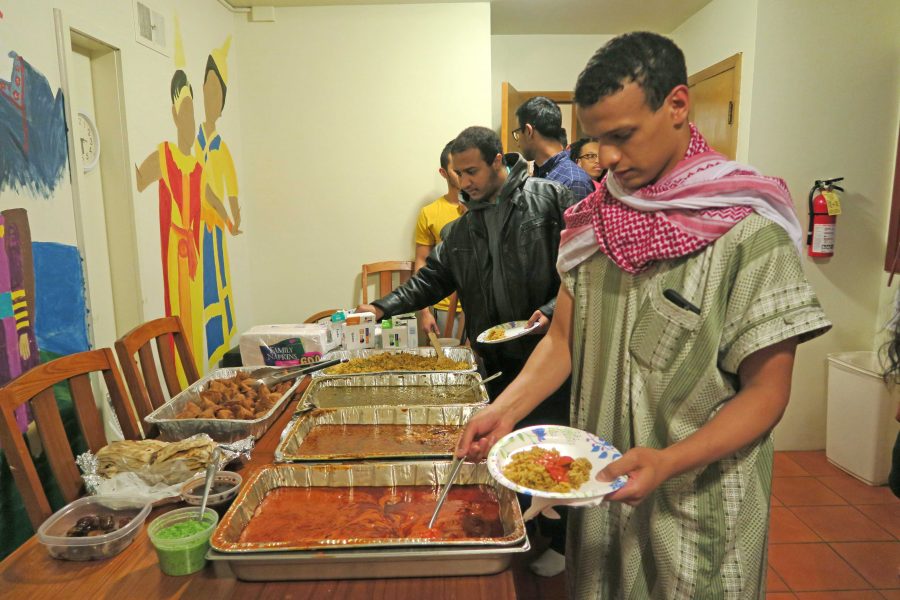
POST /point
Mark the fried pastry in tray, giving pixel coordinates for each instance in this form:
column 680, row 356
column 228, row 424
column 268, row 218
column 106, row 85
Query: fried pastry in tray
column 234, row 398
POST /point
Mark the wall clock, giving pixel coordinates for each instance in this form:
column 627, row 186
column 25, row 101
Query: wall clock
column 88, row 141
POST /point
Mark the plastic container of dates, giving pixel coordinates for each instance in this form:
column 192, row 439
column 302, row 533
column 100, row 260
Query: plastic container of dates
column 94, row 527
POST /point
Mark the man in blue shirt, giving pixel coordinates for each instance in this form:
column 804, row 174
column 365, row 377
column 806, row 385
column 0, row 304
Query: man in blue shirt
column 539, row 136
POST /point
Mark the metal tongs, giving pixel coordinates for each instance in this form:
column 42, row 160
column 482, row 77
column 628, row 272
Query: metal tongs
column 279, row 375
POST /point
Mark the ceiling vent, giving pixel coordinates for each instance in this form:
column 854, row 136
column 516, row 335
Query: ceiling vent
column 150, row 28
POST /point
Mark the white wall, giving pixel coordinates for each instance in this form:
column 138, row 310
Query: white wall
column 825, row 104
column 547, row 63
column 349, row 110
column 721, row 29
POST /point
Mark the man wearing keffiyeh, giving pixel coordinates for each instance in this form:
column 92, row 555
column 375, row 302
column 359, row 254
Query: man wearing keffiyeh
column 681, row 305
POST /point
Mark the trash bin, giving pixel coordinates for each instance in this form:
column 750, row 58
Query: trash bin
column 861, row 428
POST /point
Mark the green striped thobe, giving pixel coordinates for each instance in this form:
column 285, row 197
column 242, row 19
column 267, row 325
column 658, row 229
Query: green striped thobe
column 646, row 372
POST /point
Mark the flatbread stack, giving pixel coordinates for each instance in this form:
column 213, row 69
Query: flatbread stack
column 153, row 456
column 126, row 456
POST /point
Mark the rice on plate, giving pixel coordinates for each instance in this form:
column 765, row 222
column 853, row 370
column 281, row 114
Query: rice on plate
column 547, row 470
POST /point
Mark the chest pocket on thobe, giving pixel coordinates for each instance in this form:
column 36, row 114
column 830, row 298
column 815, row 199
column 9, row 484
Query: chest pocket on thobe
column 661, row 330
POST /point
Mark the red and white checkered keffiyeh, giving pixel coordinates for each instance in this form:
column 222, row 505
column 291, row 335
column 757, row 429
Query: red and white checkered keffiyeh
column 690, row 207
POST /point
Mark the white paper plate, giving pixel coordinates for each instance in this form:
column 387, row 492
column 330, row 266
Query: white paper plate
column 511, row 331
column 569, row 442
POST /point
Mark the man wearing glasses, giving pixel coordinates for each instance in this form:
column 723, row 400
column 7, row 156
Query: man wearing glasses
column 539, row 137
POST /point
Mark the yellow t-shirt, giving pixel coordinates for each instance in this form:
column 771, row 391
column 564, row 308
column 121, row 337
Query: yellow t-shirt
column 432, row 218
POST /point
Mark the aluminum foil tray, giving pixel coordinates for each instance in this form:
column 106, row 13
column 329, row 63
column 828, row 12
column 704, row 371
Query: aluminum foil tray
column 377, row 563
column 394, row 389
column 459, row 354
column 304, row 423
column 221, row 430
column 348, row 475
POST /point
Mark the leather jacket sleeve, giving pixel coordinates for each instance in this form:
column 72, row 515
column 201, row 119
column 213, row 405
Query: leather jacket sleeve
column 565, row 199
column 428, row 286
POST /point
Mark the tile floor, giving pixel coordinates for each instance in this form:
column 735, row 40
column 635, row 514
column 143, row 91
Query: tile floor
column 831, row 537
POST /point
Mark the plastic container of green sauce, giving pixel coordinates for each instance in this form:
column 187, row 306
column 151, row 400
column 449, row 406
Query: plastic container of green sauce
column 181, row 540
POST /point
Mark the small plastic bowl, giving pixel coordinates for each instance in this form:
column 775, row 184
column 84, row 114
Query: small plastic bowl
column 52, row 532
column 192, row 490
column 182, row 552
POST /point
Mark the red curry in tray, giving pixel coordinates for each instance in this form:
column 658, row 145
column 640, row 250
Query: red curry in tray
column 311, row 515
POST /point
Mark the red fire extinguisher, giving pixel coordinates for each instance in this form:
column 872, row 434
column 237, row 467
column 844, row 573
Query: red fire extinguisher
column 824, row 208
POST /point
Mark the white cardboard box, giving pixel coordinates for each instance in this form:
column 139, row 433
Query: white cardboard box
column 359, row 331
column 402, row 333
column 285, row 344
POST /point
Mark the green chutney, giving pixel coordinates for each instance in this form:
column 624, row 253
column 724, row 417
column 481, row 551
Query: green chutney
column 181, row 547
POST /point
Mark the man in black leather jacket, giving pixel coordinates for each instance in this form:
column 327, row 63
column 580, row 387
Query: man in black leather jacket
column 500, row 257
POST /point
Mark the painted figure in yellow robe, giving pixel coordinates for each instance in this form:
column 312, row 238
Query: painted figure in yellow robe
column 179, row 174
column 219, row 182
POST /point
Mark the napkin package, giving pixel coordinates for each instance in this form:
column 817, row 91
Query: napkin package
column 286, row 345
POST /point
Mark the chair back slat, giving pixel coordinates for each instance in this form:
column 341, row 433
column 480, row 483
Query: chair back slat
column 151, row 377
column 25, row 475
column 183, row 347
column 166, row 352
column 86, row 409
column 56, row 444
column 35, row 387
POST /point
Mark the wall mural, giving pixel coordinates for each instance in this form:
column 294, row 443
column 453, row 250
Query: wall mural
column 32, row 130
column 196, row 178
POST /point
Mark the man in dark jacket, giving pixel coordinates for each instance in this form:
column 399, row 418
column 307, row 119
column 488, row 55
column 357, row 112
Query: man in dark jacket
column 500, row 256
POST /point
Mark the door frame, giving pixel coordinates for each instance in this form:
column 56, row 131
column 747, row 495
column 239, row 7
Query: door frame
column 732, row 62
column 114, row 157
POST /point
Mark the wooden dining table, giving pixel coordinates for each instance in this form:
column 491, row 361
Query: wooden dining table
column 31, row 573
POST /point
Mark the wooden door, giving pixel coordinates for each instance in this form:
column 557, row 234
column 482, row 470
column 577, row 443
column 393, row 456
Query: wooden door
column 714, row 103
column 513, row 98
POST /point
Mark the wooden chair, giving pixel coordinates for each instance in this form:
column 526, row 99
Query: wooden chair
column 144, row 381
column 36, row 387
column 314, row 318
column 451, row 318
column 385, row 271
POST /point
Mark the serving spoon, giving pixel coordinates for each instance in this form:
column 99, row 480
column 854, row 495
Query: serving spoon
column 211, row 469
column 475, row 385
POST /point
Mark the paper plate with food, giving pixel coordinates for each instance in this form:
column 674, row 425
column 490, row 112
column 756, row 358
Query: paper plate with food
column 554, row 462
column 505, row 332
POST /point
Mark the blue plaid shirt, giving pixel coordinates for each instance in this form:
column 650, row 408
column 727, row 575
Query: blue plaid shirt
column 561, row 168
